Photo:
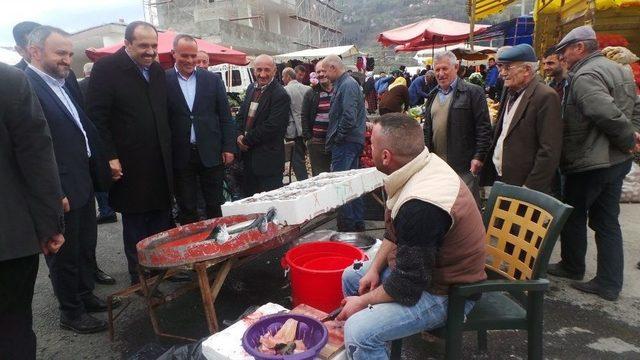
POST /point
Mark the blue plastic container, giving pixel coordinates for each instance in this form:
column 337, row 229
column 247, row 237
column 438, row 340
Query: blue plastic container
column 311, row 331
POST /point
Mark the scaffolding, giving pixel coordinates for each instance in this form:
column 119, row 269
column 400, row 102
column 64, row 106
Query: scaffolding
column 307, row 23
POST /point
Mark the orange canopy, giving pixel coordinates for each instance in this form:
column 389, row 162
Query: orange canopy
column 217, row 54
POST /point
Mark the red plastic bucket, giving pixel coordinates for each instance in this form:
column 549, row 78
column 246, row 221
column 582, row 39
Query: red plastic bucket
column 316, row 272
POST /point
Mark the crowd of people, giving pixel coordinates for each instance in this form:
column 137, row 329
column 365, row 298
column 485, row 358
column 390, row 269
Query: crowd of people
column 135, row 137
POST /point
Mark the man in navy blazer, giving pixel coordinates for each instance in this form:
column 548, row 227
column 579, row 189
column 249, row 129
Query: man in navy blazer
column 81, row 167
column 202, row 131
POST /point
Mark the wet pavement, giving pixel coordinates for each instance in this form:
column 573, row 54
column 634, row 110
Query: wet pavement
column 577, row 326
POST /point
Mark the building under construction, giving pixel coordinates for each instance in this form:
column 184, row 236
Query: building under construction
column 252, row 26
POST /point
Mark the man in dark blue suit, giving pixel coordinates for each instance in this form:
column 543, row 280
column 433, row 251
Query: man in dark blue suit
column 81, row 167
column 202, row 132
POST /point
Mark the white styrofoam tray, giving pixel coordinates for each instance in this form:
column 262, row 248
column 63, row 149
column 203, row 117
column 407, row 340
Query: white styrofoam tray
column 303, row 200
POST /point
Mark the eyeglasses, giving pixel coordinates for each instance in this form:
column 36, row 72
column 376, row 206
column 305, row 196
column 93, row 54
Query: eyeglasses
column 508, row 66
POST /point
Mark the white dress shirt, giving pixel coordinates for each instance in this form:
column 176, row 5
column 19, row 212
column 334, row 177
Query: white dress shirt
column 188, row 87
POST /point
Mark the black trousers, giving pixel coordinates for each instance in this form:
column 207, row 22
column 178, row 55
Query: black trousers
column 186, row 189
column 71, row 269
column 595, row 197
column 320, row 158
column 298, row 160
column 138, row 226
column 17, row 279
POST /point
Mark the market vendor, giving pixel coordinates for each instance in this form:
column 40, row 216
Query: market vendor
column 434, row 239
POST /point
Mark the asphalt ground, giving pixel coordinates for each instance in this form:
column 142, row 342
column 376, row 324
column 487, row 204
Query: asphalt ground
column 576, row 326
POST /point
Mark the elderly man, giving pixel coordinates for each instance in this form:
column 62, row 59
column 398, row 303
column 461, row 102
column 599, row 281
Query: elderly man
column 421, row 87
column 345, row 135
column 528, row 137
column 456, row 125
column 315, row 121
column 297, row 91
column 32, row 220
column 81, row 168
column 601, row 114
column 554, row 71
column 202, row 60
column 127, row 101
column 434, row 238
column 202, row 132
column 262, row 123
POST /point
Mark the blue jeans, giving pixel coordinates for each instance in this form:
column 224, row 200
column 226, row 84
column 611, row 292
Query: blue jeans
column 347, row 157
column 595, row 196
column 104, row 209
column 367, row 332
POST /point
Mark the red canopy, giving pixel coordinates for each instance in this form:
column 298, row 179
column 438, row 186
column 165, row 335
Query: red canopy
column 427, row 33
column 217, row 54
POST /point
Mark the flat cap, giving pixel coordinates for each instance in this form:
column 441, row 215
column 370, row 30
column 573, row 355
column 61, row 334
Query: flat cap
column 520, row 52
column 580, row 33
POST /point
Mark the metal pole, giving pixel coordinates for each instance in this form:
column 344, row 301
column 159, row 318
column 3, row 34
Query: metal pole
column 472, row 22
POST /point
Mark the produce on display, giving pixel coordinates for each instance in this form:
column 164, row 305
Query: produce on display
column 366, row 158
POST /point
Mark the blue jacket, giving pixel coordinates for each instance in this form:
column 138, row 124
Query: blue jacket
column 416, row 91
column 347, row 115
column 492, row 76
column 382, row 84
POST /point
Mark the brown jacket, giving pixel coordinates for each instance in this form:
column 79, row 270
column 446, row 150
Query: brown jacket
column 531, row 150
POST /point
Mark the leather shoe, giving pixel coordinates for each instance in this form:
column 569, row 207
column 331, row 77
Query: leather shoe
column 559, row 271
column 103, row 278
column 592, row 287
column 93, row 304
column 638, row 265
column 84, row 324
column 107, row 219
column 181, row 276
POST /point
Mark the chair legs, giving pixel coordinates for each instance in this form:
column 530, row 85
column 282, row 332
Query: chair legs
column 482, row 340
column 396, row 349
column 534, row 312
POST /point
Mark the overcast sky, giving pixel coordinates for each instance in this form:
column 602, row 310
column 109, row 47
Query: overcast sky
column 70, row 15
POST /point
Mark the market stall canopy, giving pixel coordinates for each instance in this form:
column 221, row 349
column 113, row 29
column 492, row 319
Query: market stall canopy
column 461, row 50
column 486, row 8
column 313, row 54
column 217, row 54
column 427, row 33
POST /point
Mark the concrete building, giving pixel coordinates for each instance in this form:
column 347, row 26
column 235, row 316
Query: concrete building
column 94, row 37
column 252, row 26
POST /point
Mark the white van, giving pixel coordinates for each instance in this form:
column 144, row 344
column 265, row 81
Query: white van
column 236, row 78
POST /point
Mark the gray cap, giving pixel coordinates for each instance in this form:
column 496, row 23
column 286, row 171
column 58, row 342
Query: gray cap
column 580, row 33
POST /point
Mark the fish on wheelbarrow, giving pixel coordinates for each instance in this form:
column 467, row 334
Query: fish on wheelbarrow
column 221, row 233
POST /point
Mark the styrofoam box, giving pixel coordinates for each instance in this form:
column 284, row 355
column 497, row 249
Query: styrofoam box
column 303, row 200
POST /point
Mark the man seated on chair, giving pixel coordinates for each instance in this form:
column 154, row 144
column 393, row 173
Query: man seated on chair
column 435, row 238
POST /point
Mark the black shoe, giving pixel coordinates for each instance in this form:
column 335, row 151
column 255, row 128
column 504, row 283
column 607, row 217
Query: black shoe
column 181, row 276
column 93, row 304
column 592, row 287
column 559, row 271
column 638, row 265
column 84, row 324
column 107, row 219
column 103, row 278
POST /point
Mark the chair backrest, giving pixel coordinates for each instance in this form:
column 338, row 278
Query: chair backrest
column 522, row 228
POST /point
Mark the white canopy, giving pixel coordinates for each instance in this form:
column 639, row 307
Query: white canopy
column 312, row 54
column 9, row 57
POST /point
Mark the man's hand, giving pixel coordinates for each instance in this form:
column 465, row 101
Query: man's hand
column 116, row 169
column 227, row 158
column 241, row 144
column 476, row 166
column 52, row 245
column 350, row 306
column 65, row 204
column 636, row 148
column 368, row 282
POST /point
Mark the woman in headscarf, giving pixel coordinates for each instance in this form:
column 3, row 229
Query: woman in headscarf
column 396, row 99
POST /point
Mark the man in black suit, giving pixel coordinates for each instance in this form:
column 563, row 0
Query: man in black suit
column 127, row 101
column 202, row 132
column 30, row 211
column 80, row 167
column 262, row 123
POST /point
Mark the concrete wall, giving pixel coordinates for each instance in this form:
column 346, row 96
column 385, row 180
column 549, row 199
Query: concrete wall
column 96, row 37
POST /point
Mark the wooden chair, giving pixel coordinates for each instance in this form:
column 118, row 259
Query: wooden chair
column 522, row 228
